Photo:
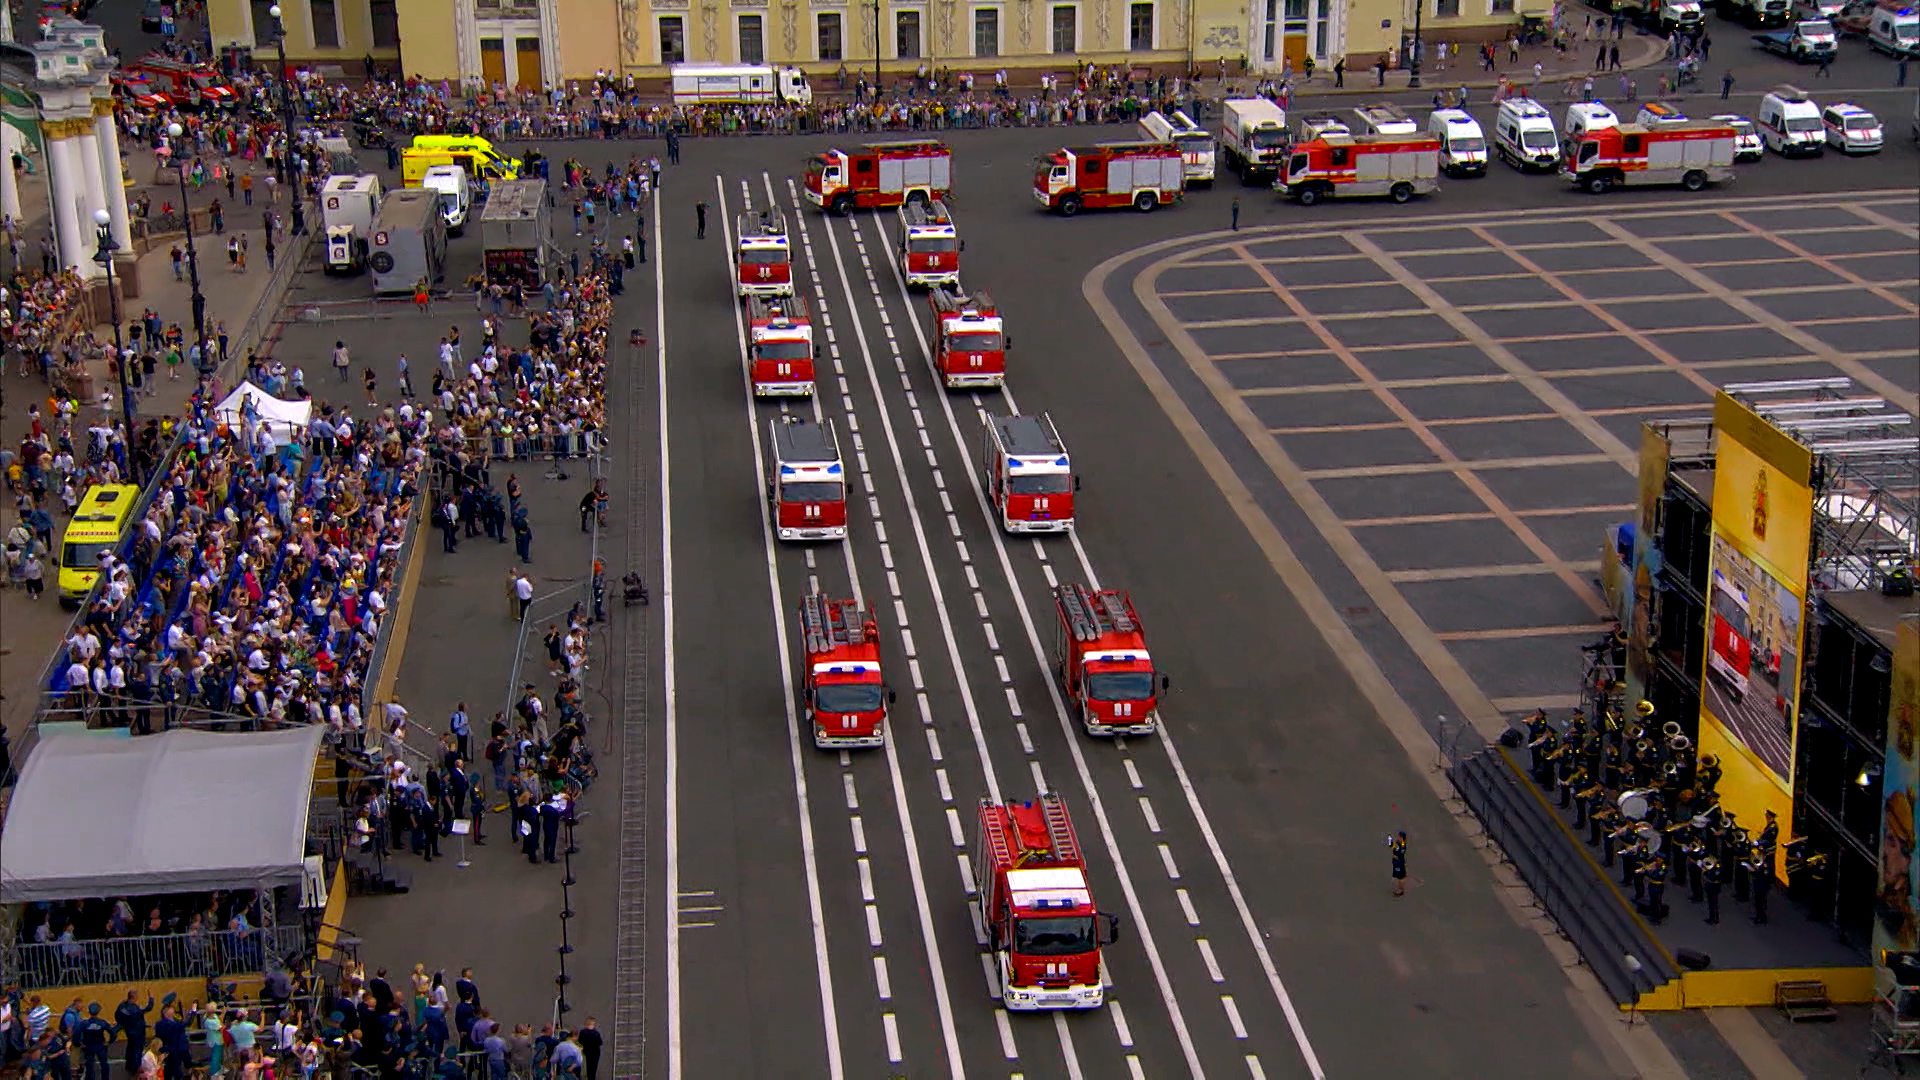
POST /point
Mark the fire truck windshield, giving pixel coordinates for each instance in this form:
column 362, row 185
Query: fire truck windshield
column 847, row 697
column 1726, row 606
column 204, row 82
column 980, row 341
column 811, row 491
column 1043, row 484
column 933, row 245
column 782, row 350
column 1194, row 142
column 1120, row 686
column 763, row 255
column 1066, row 935
column 1270, row 140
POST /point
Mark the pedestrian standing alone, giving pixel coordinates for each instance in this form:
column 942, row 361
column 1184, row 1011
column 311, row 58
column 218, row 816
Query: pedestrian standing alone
column 342, row 360
column 1726, row 84
column 1397, row 848
column 522, row 536
column 700, row 220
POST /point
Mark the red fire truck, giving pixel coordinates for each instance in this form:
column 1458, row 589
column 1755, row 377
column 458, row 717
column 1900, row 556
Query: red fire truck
column 1730, row 655
column 880, row 175
column 1101, row 652
column 1037, row 907
column 1027, row 473
column 1690, row 153
column 138, row 92
column 840, row 689
column 762, row 255
column 780, row 346
column 1333, row 166
column 190, row 86
column 970, row 340
column 1143, row 175
column 929, row 245
column 806, row 484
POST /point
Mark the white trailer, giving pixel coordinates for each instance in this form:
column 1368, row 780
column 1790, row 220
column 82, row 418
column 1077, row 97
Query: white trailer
column 348, row 207
column 739, row 84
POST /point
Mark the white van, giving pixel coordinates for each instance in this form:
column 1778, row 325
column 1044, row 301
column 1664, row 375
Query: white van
column 1585, row 116
column 1655, row 113
column 456, row 194
column 1196, row 146
column 1895, row 31
column 1523, row 134
column 1463, row 146
column 1790, row 122
column 1385, row 120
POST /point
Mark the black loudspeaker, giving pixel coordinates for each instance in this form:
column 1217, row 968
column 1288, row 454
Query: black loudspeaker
column 1510, row 739
column 1692, row 959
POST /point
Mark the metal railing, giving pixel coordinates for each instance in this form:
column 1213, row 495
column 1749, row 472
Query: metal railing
column 161, row 956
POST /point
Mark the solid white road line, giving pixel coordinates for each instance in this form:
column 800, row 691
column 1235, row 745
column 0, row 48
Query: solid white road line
column 830, row 1017
column 1109, row 840
column 668, row 678
column 936, row 967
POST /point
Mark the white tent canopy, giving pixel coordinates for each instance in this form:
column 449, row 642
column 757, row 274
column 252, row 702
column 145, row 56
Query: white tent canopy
column 185, row 811
column 287, row 420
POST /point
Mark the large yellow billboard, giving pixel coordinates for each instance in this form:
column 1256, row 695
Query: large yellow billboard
column 1762, row 529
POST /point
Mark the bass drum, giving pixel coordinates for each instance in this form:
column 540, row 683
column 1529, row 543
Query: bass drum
column 1635, row 805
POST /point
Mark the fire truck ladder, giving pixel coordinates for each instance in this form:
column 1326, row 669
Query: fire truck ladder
column 950, row 300
column 1091, row 614
column 826, row 625
column 918, row 214
column 1053, row 811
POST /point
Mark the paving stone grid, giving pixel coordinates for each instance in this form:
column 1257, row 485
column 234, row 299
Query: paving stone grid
column 1466, row 397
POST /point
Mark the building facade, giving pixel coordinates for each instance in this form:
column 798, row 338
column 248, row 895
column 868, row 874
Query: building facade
column 542, row 42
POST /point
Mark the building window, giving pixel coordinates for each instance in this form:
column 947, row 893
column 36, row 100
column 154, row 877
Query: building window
column 753, row 45
column 326, row 23
column 906, row 35
column 673, row 39
column 831, row 47
column 1140, row 27
column 1066, row 29
column 386, row 23
column 1500, row 7
column 986, row 31
column 265, row 26
column 1446, row 9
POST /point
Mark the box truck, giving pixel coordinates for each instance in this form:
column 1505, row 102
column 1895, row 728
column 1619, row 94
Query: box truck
column 348, row 207
column 409, row 242
column 516, row 233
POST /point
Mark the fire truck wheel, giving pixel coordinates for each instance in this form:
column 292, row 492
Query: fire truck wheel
column 1145, row 202
column 1069, row 205
column 1694, row 181
column 1599, row 184
column 842, row 205
column 1309, row 195
column 1401, row 193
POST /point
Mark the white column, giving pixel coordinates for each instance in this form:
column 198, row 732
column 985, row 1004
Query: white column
column 91, row 164
column 69, row 190
column 9, row 187
column 550, row 44
column 106, row 137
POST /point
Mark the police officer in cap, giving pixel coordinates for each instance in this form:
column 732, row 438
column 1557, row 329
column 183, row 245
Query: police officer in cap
column 1710, row 878
column 1656, row 879
column 1761, row 870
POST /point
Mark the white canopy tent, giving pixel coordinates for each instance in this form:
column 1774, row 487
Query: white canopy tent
column 185, row 811
column 287, row 420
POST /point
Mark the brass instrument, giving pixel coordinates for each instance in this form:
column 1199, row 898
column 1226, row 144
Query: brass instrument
column 1636, row 732
column 1590, row 792
column 1643, row 746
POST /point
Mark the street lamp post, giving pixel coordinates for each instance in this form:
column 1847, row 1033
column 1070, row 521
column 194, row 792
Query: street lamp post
column 174, row 134
column 290, row 174
column 103, row 222
column 876, row 50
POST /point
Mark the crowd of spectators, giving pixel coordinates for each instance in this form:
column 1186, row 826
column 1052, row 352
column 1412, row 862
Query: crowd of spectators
column 45, row 326
column 357, row 1025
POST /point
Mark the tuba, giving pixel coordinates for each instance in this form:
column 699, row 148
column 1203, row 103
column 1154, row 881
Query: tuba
column 1677, row 741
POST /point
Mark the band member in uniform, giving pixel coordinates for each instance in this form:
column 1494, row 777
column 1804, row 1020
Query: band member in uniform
column 1656, row 879
column 1696, row 855
column 1709, row 775
column 1761, row 870
column 1583, row 795
column 1740, row 850
column 1769, row 838
column 1710, row 877
column 1397, row 848
column 1631, row 860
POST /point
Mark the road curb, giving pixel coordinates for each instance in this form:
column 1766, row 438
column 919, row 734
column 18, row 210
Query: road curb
column 1651, row 54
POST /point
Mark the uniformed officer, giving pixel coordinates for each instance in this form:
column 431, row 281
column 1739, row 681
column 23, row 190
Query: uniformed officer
column 1630, row 859
column 1708, row 774
column 1584, row 792
column 1710, row 877
column 94, row 1034
column 1397, row 847
column 1741, row 851
column 1769, row 838
column 1696, row 855
column 1762, row 873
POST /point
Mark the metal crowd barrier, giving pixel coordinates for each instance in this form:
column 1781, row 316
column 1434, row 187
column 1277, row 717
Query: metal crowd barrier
column 161, row 956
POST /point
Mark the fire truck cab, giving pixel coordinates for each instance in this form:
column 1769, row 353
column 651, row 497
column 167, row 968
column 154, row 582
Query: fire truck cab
column 929, row 245
column 1036, row 906
column 1100, row 651
column 763, row 255
column 1027, row 474
column 841, row 692
column 190, row 86
column 880, row 176
column 806, row 482
column 1143, row 175
column 1730, row 653
column 1397, row 166
column 970, row 339
column 1690, row 153
column 780, row 349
